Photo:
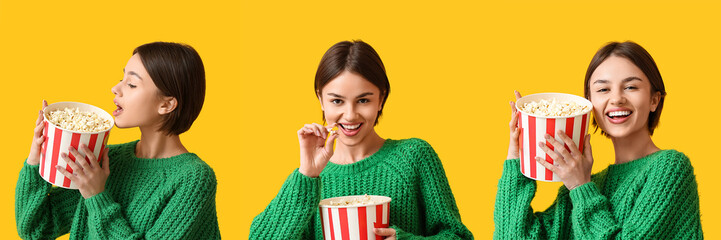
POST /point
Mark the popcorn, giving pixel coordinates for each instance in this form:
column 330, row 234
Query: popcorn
column 553, row 108
column 353, row 201
column 80, row 121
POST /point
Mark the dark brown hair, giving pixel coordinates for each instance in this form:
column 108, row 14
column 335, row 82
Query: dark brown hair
column 643, row 60
column 177, row 71
column 357, row 57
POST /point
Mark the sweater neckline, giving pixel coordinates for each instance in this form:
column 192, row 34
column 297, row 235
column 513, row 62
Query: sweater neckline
column 363, row 164
column 129, row 151
column 634, row 164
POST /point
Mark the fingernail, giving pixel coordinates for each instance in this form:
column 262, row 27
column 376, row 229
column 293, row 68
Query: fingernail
column 547, row 135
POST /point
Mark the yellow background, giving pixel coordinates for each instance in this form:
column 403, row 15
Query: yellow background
column 452, row 67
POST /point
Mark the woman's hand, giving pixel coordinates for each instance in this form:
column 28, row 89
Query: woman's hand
column 38, row 138
column 316, row 148
column 89, row 177
column 513, row 126
column 573, row 168
column 388, row 233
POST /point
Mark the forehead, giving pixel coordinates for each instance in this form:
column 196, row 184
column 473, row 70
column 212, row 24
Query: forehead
column 615, row 69
column 135, row 64
column 349, row 83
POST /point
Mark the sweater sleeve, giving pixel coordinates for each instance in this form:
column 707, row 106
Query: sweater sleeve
column 442, row 219
column 186, row 216
column 513, row 216
column 667, row 206
column 41, row 210
column 290, row 215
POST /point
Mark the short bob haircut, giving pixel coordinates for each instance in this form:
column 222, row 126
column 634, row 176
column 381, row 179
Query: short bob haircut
column 357, row 57
column 643, row 60
column 177, row 71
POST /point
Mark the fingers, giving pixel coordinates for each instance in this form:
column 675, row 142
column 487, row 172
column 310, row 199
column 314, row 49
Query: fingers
column 514, row 116
column 45, row 103
column 385, row 232
column 558, row 146
column 106, row 161
column 89, row 156
column 587, row 153
column 321, row 130
column 329, row 142
column 38, row 131
column 40, row 118
column 72, row 164
column 555, row 156
column 569, row 142
column 66, row 173
column 547, row 165
column 518, row 95
column 80, row 159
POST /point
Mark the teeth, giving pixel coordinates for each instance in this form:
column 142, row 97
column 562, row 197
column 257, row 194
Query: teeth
column 351, row 127
column 619, row 113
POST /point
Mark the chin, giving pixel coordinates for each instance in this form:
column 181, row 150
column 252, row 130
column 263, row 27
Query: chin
column 348, row 141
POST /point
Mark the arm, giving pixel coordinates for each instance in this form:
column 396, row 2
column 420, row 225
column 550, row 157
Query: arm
column 290, row 214
column 189, row 214
column 42, row 211
column 442, row 220
column 667, row 206
column 513, row 216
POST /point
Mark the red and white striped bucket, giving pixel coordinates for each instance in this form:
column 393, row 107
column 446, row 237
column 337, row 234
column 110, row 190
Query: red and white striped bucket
column 534, row 127
column 354, row 222
column 57, row 140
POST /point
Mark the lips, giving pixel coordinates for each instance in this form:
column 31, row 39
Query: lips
column 618, row 115
column 118, row 110
column 350, row 129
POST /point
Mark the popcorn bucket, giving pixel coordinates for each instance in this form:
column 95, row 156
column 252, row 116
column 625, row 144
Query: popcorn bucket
column 533, row 128
column 356, row 221
column 57, row 141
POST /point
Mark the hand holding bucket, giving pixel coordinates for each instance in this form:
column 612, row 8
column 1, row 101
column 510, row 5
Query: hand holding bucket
column 533, row 128
column 57, row 142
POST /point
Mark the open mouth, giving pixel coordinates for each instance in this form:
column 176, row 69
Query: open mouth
column 117, row 110
column 350, row 129
column 618, row 116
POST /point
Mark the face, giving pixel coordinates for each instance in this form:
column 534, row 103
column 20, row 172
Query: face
column 621, row 97
column 138, row 100
column 353, row 102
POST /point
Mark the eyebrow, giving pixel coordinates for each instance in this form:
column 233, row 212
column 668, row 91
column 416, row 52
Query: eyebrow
column 342, row 97
column 628, row 79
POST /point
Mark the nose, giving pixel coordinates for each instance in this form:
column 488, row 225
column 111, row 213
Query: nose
column 350, row 112
column 618, row 98
column 116, row 89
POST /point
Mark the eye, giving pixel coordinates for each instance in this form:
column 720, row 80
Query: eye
column 336, row 101
column 631, row 87
column 602, row 90
column 131, row 85
column 363, row 100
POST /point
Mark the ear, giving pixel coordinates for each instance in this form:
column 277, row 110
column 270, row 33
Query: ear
column 167, row 105
column 655, row 99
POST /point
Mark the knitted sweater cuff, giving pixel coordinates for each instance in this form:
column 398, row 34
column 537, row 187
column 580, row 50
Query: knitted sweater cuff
column 97, row 203
column 31, row 175
column 584, row 192
column 512, row 167
column 304, row 183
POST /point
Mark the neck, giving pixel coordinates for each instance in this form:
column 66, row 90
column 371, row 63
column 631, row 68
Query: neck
column 156, row 144
column 345, row 154
column 634, row 146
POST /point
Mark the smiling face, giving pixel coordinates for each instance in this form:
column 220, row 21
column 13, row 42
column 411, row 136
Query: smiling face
column 353, row 102
column 137, row 98
column 622, row 97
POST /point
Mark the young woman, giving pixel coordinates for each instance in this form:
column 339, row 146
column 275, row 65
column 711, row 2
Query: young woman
column 648, row 193
column 147, row 189
column 352, row 87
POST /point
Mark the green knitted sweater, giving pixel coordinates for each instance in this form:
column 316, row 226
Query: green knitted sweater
column 408, row 171
column 654, row 197
column 169, row 198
